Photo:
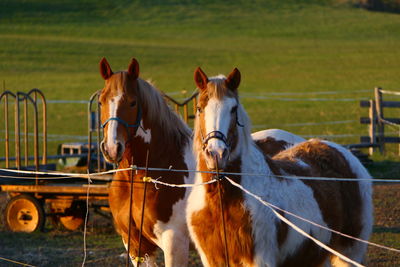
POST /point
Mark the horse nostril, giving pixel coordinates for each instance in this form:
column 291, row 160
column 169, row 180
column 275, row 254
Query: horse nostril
column 225, row 153
column 102, row 146
column 119, row 148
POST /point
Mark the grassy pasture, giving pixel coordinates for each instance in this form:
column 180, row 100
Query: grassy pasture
column 300, row 47
column 296, row 46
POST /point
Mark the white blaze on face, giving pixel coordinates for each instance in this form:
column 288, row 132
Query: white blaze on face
column 112, row 133
column 218, row 118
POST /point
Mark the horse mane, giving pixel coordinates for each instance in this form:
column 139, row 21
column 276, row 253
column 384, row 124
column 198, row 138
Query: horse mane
column 159, row 113
column 216, row 88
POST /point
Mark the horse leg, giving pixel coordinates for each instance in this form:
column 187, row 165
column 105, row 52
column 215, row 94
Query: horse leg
column 175, row 246
column 147, row 250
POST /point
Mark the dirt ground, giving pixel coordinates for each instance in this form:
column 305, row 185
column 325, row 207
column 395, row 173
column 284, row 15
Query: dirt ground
column 57, row 247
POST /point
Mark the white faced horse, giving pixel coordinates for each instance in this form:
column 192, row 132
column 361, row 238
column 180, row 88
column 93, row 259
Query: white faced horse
column 254, row 234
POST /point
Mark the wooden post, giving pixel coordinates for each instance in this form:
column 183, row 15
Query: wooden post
column 380, row 125
column 185, row 113
column 372, row 126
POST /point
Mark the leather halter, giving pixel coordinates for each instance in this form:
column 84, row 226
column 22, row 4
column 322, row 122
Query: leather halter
column 127, row 125
column 217, row 135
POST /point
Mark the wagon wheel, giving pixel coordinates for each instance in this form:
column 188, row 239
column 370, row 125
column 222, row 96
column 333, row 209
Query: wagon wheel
column 24, row 213
column 73, row 217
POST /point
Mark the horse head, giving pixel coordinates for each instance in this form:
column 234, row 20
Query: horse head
column 120, row 108
column 217, row 122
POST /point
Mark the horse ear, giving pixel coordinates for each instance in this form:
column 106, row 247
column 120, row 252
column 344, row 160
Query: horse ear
column 133, row 69
column 200, row 78
column 233, row 80
column 105, row 69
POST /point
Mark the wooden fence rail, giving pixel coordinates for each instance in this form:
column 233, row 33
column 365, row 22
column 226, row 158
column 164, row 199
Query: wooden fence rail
column 377, row 122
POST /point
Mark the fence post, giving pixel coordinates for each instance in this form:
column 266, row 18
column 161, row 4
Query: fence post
column 372, row 126
column 185, row 113
column 380, row 125
column 17, row 136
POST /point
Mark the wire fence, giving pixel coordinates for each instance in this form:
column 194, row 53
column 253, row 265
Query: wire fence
column 157, row 182
column 274, row 208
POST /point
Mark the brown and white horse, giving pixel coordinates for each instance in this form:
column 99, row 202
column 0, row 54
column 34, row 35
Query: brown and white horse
column 255, row 236
column 136, row 119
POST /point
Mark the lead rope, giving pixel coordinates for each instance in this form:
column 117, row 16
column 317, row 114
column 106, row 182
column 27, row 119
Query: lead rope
column 130, row 218
column 221, row 204
column 145, row 180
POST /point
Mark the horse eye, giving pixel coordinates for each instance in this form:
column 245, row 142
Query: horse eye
column 133, row 103
column 199, row 110
column 234, row 109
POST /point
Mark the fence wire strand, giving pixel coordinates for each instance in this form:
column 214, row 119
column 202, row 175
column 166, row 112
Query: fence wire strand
column 95, row 176
column 16, row 262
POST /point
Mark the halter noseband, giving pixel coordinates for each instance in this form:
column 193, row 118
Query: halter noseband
column 217, row 135
column 127, row 125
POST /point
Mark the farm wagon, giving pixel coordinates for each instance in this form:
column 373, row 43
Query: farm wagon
column 34, row 196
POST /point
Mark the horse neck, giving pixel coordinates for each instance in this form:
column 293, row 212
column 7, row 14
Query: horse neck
column 162, row 152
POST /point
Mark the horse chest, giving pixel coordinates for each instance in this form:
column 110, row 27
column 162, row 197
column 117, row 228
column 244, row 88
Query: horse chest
column 207, row 226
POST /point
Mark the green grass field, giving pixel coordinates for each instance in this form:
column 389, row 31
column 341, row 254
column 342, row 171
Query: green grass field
column 296, row 46
column 302, row 50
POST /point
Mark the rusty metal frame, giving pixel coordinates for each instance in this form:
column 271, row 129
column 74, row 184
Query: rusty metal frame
column 91, row 128
column 25, row 98
column 177, row 105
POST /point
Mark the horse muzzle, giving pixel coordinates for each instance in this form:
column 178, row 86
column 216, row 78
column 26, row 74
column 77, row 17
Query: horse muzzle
column 216, row 158
column 112, row 153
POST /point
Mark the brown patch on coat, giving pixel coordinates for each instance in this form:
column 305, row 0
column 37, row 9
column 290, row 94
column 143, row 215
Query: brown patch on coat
column 270, row 146
column 207, row 223
column 340, row 202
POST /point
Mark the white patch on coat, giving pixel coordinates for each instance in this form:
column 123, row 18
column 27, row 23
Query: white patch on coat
column 172, row 236
column 145, row 134
column 196, row 202
column 278, row 135
column 358, row 250
column 292, row 196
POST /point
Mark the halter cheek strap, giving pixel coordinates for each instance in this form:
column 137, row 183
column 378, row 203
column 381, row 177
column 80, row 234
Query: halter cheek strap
column 127, row 125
